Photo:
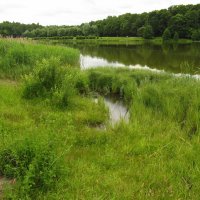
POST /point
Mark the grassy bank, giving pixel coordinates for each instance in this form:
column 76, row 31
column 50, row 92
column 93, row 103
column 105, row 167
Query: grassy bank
column 18, row 57
column 112, row 40
column 53, row 148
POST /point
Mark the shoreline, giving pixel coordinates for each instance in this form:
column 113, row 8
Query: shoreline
column 114, row 40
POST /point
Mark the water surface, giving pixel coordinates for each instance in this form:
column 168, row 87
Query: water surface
column 117, row 110
column 171, row 58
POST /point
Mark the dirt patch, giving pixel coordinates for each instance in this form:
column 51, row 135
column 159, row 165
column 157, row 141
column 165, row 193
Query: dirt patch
column 5, row 181
column 8, row 82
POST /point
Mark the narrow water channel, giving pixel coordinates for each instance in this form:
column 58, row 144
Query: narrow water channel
column 117, row 111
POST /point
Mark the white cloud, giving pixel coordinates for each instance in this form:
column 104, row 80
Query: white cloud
column 69, row 12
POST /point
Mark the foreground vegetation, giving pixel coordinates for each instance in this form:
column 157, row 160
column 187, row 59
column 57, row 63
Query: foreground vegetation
column 18, row 57
column 53, row 146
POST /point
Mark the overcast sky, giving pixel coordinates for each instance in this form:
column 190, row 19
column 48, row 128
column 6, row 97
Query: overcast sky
column 74, row 12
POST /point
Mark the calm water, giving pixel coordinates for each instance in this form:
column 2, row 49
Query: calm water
column 117, row 110
column 170, row 58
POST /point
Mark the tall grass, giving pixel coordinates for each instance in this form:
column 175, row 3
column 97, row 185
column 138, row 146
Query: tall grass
column 54, row 82
column 36, row 138
column 174, row 98
column 56, row 153
column 19, row 57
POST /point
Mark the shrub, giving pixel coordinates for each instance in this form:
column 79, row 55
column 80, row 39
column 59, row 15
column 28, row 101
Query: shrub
column 45, row 79
column 50, row 80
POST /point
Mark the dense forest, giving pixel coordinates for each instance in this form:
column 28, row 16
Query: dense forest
column 177, row 21
column 16, row 29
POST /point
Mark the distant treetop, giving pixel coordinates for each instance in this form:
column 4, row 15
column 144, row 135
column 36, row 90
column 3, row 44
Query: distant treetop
column 177, row 21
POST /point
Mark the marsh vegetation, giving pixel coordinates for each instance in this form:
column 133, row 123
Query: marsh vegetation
column 50, row 143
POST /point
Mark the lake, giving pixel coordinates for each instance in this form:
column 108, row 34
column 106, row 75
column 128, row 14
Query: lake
column 170, row 58
column 177, row 59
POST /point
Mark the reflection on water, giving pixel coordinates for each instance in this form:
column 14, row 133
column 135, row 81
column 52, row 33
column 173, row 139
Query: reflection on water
column 117, row 111
column 88, row 62
column 171, row 58
column 92, row 62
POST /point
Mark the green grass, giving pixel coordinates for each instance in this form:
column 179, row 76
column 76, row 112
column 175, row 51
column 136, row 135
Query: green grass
column 113, row 41
column 154, row 92
column 18, row 57
column 61, row 153
column 37, row 137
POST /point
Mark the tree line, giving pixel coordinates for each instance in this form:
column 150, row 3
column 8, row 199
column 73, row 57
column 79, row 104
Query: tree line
column 16, row 29
column 177, row 21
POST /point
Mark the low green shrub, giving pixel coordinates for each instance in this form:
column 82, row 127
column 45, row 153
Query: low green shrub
column 45, row 79
column 50, row 80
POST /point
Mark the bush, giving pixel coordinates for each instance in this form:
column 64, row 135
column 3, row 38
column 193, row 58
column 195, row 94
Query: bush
column 50, row 80
column 45, row 79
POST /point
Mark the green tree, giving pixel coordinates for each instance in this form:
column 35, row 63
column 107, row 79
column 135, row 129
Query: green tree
column 159, row 21
column 196, row 35
column 176, row 36
column 52, row 31
column 166, row 35
column 61, row 32
column 86, row 29
column 178, row 24
column 148, row 32
column 140, row 31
